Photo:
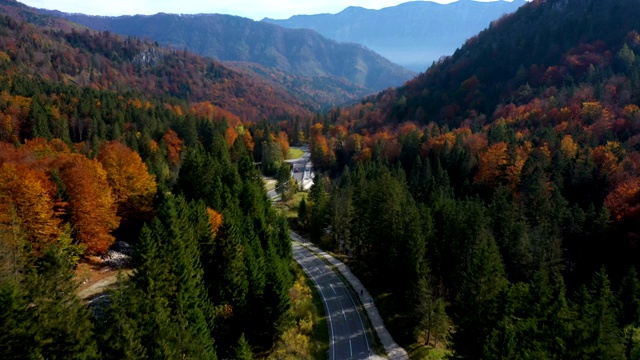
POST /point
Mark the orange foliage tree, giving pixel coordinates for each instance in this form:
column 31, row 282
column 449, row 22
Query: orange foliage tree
column 132, row 187
column 283, row 141
column 25, row 199
column 91, row 204
column 174, row 146
column 492, row 165
column 624, row 201
column 230, row 136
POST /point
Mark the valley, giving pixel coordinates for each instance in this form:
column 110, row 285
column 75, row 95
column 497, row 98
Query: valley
column 207, row 186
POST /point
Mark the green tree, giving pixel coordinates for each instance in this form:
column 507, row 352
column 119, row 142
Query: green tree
column 243, row 351
column 596, row 333
column 629, row 299
column 40, row 314
column 477, row 307
column 284, row 182
column 302, row 212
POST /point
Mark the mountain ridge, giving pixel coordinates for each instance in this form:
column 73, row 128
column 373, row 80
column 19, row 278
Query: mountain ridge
column 58, row 50
column 412, row 34
column 302, row 53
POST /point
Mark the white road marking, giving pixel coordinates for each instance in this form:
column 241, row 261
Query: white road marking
column 350, row 348
column 326, row 305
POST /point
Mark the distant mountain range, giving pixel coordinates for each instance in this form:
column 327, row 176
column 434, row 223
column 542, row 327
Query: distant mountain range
column 413, row 34
column 332, row 71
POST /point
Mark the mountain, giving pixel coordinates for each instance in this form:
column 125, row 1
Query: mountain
column 413, row 34
column 301, row 53
column 544, row 44
column 60, row 51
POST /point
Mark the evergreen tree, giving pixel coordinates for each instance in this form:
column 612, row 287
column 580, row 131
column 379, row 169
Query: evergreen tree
column 302, row 212
column 41, row 316
column 629, row 299
column 243, row 351
column 596, row 333
column 284, row 182
column 477, row 307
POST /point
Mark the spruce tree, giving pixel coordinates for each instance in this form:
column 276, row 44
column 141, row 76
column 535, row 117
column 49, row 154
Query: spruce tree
column 596, row 333
column 40, row 314
column 243, row 351
column 477, row 307
column 629, row 299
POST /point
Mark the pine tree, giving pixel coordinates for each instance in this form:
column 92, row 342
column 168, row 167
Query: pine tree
column 302, row 212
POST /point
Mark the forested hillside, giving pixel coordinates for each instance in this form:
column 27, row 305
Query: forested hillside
column 324, row 71
column 104, row 61
column 492, row 202
column 105, row 139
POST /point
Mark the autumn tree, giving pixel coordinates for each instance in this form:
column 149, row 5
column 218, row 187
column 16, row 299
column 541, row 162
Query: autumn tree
column 27, row 192
column 132, row 187
column 174, row 146
column 91, row 203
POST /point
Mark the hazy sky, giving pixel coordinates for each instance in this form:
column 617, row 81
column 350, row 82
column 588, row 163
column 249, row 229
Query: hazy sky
column 254, row 9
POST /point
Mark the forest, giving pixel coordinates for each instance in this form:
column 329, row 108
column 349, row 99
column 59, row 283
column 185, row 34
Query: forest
column 84, row 167
column 492, row 202
column 490, row 205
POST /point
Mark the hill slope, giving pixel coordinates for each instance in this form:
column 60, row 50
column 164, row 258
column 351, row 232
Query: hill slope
column 59, row 51
column 520, row 157
column 413, row 34
column 231, row 38
column 559, row 43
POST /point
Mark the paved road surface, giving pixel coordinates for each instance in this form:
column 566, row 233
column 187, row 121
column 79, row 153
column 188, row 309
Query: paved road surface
column 346, row 327
column 302, row 168
column 394, row 351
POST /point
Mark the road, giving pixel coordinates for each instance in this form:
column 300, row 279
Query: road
column 303, row 169
column 347, row 334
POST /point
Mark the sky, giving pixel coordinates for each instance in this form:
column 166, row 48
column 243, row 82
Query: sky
column 253, row 9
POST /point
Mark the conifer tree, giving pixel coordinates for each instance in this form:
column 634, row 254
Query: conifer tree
column 243, row 351
column 596, row 333
column 629, row 299
column 31, row 309
column 477, row 307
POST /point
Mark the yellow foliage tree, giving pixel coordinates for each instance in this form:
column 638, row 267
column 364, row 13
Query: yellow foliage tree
column 215, row 220
column 492, row 165
column 132, row 187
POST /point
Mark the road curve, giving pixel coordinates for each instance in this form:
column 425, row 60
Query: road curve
column 347, row 334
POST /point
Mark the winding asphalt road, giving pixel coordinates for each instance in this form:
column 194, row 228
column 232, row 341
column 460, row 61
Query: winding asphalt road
column 347, row 334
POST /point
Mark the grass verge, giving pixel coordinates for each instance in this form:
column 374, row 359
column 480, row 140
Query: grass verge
column 306, row 335
column 269, row 184
column 290, row 207
column 294, row 154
